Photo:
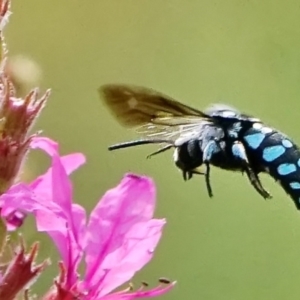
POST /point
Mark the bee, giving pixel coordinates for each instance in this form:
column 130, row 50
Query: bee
column 220, row 136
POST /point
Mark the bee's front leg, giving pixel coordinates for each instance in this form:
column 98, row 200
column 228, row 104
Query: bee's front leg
column 211, row 148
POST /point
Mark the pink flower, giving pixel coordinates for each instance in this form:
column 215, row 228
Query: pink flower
column 117, row 241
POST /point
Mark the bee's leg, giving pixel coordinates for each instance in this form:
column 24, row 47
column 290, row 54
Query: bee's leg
column 197, row 172
column 160, row 150
column 210, row 149
column 207, row 180
column 187, row 175
column 239, row 152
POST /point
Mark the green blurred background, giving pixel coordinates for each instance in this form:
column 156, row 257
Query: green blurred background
column 244, row 53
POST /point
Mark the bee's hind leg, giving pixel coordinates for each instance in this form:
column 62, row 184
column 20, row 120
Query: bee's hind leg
column 239, row 152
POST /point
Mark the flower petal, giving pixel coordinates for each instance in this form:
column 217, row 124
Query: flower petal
column 121, row 234
column 22, row 198
column 136, row 252
column 70, row 162
column 55, row 186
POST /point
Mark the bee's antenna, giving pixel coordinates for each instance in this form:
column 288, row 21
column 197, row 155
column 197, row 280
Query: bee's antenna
column 139, row 142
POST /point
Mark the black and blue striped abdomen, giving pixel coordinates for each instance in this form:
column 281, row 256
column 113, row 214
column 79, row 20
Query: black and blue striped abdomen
column 272, row 152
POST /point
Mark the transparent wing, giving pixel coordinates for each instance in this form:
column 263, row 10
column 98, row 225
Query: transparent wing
column 150, row 112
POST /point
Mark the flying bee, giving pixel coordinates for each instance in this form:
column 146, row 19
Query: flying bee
column 217, row 136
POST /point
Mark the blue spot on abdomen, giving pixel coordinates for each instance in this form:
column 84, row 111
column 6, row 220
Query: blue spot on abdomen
column 285, row 169
column 273, row 152
column 295, row 185
column 287, row 144
column 254, row 140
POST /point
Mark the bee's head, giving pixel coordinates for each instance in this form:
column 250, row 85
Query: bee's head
column 188, row 154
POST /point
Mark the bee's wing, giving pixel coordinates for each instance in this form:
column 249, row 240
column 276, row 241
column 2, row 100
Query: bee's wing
column 152, row 112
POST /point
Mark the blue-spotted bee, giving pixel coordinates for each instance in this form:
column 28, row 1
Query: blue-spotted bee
column 219, row 135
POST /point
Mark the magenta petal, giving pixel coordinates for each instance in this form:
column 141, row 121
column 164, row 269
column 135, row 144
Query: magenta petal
column 14, row 214
column 70, row 162
column 120, row 222
column 55, row 186
column 44, row 143
column 22, row 198
column 136, row 252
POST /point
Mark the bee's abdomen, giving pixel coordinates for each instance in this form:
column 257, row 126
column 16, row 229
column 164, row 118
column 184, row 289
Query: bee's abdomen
column 274, row 153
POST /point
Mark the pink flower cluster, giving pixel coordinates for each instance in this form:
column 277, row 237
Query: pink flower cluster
column 116, row 241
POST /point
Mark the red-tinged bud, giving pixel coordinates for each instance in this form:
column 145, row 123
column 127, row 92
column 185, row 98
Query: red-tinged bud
column 58, row 291
column 16, row 118
column 21, row 272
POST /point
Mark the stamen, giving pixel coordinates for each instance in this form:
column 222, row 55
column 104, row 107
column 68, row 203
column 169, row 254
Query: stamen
column 131, row 286
column 164, row 280
column 145, row 284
